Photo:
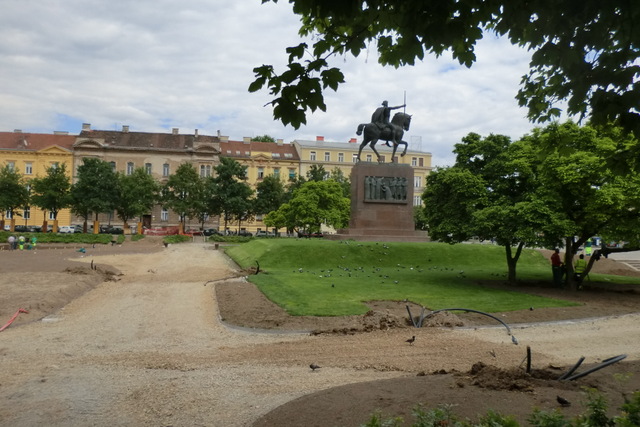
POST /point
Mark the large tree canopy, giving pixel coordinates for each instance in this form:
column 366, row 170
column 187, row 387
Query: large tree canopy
column 585, row 52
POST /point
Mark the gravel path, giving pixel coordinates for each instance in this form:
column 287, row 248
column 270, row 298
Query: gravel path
column 149, row 350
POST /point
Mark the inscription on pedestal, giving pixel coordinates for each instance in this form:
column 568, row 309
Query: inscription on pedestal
column 385, row 189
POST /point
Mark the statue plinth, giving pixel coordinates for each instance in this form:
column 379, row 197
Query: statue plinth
column 381, row 204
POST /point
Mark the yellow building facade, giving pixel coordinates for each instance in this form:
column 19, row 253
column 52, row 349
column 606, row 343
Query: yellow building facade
column 261, row 159
column 31, row 154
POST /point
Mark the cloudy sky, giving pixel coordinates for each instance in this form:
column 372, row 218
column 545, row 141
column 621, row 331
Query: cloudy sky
column 160, row 64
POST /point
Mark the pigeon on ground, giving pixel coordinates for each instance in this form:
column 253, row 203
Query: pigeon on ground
column 514, row 340
column 313, row 367
column 562, row 401
column 411, row 340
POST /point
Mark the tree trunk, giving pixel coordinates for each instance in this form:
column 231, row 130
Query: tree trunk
column 512, row 261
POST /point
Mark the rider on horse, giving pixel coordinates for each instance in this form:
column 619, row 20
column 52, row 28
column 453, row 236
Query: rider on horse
column 381, row 117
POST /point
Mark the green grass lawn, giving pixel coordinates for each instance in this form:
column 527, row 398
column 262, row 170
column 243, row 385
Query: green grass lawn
column 333, row 278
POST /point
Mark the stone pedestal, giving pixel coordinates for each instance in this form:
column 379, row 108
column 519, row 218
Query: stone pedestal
column 381, row 204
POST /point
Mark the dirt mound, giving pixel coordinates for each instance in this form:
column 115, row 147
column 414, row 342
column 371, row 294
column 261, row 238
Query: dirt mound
column 443, row 319
column 107, row 275
column 371, row 321
column 513, row 379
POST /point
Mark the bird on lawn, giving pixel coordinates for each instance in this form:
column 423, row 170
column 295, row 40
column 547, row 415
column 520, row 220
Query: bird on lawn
column 514, row 340
column 313, row 367
column 411, row 340
column 562, row 401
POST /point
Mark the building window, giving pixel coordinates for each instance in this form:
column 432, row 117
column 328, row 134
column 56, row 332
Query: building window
column 369, row 158
column 54, row 165
column 52, row 217
column 147, row 168
column 292, row 174
column 26, row 214
column 341, row 157
column 260, row 173
column 113, row 166
column 276, row 172
column 164, row 215
column 11, row 166
column 28, row 168
column 354, row 158
column 327, row 156
column 205, row 171
column 129, row 168
column 382, row 158
column 165, row 170
column 414, row 161
column 258, row 217
column 417, row 201
column 8, row 215
column 312, row 156
column 421, row 162
column 417, row 181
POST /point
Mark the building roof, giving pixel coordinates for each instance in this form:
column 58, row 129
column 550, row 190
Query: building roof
column 246, row 149
column 147, row 140
column 22, row 141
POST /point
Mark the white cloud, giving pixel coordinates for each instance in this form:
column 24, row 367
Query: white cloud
column 160, row 64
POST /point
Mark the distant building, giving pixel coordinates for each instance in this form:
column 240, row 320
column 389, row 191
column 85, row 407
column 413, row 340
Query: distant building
column 159, row 153
column 31, row 154
column 262, row 159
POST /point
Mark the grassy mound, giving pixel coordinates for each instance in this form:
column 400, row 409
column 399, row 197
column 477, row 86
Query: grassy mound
column 332, row 278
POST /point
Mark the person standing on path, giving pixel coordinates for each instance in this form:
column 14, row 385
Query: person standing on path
column 12, row 242
column 557, row 268
column 21, row 242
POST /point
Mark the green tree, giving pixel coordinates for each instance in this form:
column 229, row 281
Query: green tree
column 490, row 192
column 270, row 195
column 13, row 192
column 585, row 194
column 587, row 55
column 264, row 138
column 52, row 192
column 345, row 183
column 183, row 192
column 95, row 191
column 137, row 194
column 317, row 173
column 233, row 194
column 313, row 204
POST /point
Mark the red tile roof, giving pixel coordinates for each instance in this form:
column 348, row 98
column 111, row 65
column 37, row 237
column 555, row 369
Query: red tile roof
column 148, row 139
column 34, row 141
column 232, row 148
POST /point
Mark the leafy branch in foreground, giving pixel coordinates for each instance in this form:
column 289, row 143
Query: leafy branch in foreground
column 588, row 57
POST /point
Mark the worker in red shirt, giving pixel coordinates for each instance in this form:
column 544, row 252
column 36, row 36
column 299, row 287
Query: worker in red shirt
column 557, row 267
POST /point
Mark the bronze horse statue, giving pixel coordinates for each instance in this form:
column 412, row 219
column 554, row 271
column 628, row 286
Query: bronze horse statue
column 372, row 133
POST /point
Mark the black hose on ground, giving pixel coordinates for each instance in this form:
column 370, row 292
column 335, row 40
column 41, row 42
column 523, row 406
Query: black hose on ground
column 572, row 370
column 471, row 311
column 604, row 364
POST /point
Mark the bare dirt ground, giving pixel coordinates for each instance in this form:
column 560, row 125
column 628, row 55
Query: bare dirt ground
column 140, row 334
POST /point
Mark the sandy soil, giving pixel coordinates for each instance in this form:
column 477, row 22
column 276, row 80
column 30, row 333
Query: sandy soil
column 140, row 334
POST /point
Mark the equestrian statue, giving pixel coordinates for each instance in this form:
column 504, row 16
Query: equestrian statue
column 381, row 128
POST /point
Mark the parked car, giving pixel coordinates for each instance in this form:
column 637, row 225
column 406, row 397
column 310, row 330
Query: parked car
column 66, row 229
column 305, row 233
column 21, row 229
column 262, row 233
column 211, row 232
column 244, row 233
column 35, row 229
column 110, row 229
